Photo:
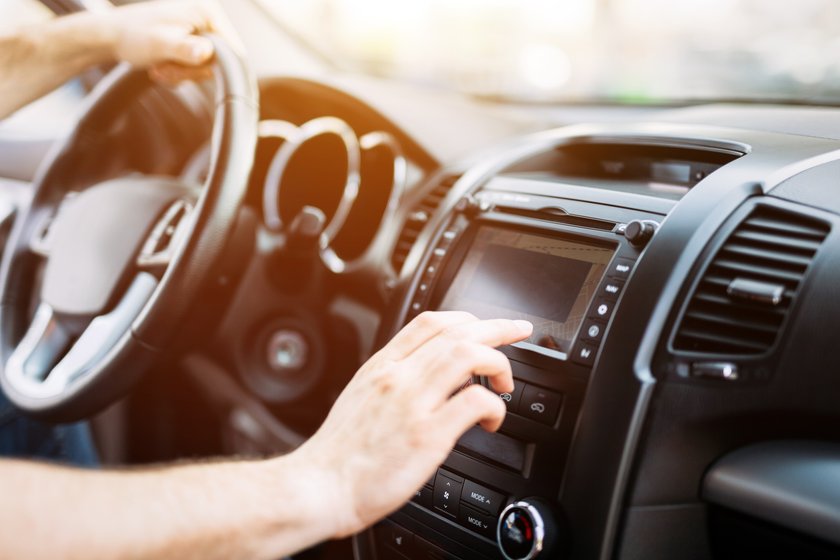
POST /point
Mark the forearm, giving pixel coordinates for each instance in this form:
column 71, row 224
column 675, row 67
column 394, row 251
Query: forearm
column 248, row 509
column 35, row 60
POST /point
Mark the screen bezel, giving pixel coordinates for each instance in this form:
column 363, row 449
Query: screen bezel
column 458, row 254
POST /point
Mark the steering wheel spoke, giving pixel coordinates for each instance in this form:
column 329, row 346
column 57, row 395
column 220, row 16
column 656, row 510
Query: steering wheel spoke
column 167, row 235
column 40, row 348
column 52, row 354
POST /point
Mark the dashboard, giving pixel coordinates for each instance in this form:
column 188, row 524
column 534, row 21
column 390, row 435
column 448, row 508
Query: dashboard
column 681, row 280
column 678, row 397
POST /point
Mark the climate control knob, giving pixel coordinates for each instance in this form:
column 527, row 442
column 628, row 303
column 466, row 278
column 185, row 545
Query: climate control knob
column 527, row 530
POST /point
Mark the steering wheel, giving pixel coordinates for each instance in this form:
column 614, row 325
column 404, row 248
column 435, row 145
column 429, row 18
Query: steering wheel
column 124, row 258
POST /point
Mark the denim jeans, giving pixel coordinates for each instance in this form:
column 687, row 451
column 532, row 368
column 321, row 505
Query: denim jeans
column 26, row 438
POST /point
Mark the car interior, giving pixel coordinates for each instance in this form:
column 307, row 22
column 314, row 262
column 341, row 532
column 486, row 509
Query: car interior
column 199, row 270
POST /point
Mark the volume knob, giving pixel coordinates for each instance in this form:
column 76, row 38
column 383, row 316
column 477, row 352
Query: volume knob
column 639, row 232
column 526, row 530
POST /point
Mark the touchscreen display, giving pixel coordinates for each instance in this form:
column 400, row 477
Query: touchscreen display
column 516, row 275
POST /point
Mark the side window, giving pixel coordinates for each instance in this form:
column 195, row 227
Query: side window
column 53, row 113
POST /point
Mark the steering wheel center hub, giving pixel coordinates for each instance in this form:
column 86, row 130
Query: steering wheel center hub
column 94, row 241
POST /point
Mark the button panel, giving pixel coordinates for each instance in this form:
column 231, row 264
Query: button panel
column 447, row 494
column 473, row 505
column 600, row 312
column 540, row 405
column 424, row 288
column 584, row 354
column 397, row 540
column 479, row 497
column 603, row 309
column 592, row 331
column 620, row 268
column 532, row 402
column 610, row 289
column 423, row 497
column 511, row 399
column 477, row 521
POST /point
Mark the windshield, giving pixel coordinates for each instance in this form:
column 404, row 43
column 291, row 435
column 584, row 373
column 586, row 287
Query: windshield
column 639, row 51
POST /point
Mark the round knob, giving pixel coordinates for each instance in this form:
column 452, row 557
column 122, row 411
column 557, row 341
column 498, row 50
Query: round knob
column 287, row 350
column 526, row 530
column 639, row 232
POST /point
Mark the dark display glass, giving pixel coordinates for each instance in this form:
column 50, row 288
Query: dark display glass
column 517, row 275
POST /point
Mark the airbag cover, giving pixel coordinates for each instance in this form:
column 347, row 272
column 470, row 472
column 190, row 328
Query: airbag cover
column 95, row 239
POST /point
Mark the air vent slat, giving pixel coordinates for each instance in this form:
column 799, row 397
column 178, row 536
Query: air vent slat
column 770, row 246
column 750, row 270
column 786, row 229
column 727, row 302
column 793, row 261
column 418, row 218
column 725, row 320
column 707, row 341
column 804, row 246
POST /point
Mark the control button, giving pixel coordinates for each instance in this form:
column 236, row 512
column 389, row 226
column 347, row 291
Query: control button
column 395, row 537
column 477, row 521
column 416, row 306
column 592, row 331
column 448, row 237
column 482, row 498
column 584, row 354
column 431, row 270
column 620, row 268
column 540, row 405
column 423, row 497
column 447, row 494
column 512, row 399
column 439, row 253
column 611, row 289
column 603, row 309
column 527, row 530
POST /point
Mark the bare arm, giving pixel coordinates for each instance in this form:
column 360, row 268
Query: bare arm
column 387, row 433
column 34, row 60
column 223, row 510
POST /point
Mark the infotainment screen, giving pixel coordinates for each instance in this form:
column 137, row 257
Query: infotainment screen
column 517, row 275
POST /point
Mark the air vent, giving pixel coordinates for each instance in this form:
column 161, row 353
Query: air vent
column 418, row 218
column 747, row 289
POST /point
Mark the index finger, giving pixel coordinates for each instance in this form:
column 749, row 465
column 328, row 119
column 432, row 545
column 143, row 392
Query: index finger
column 421, row 329
column 490, row 332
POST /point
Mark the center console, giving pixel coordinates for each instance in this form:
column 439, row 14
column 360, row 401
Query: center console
column 559, row 254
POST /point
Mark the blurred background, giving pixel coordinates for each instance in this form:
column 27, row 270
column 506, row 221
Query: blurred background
column 547, row 51
column 639, row 51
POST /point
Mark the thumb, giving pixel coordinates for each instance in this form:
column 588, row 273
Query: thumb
column 189, row 50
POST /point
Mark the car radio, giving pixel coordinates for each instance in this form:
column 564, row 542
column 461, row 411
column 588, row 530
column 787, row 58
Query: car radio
column 499, row 255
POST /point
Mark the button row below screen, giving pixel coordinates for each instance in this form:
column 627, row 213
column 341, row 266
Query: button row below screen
column 532, row 402
column 474, row 506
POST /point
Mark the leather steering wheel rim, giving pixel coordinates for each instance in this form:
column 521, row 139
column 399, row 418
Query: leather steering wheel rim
column 213, row 218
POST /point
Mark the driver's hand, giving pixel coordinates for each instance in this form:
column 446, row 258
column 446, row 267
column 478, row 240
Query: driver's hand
column 162, row 36
column 397, row 419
